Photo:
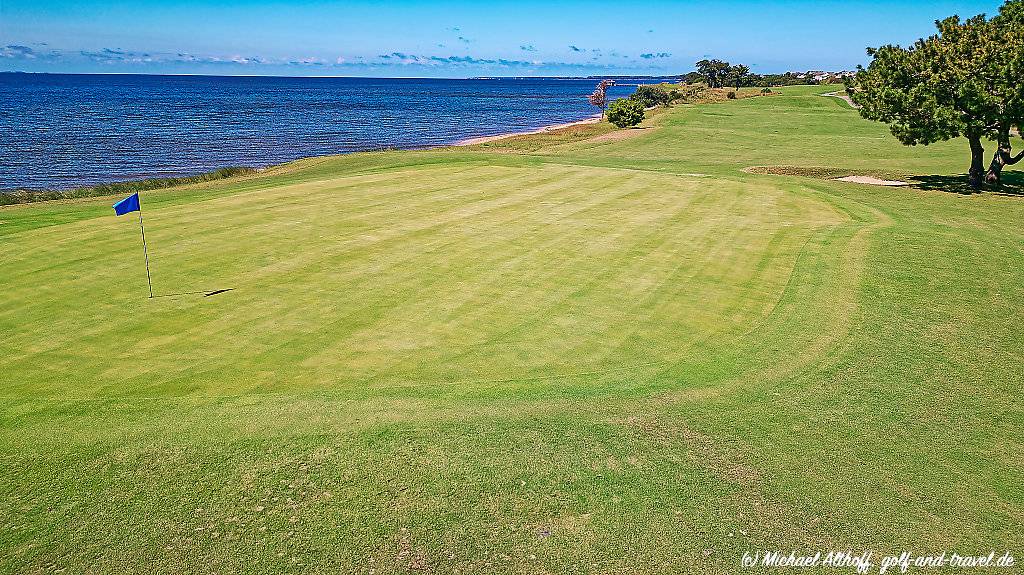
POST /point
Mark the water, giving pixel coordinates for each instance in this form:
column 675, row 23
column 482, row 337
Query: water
column 59, row 131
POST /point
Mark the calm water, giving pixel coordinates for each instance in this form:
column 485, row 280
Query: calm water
column 59, row 131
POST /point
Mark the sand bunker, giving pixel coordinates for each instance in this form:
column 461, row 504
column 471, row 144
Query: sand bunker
column 823, row 173
column 872, row 180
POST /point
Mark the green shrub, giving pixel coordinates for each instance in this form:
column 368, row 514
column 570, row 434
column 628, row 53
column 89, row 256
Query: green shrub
column 650, row 96
column 731, row 95
column 626, row 113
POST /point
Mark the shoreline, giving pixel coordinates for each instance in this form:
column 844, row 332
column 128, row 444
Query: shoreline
column 596, row 118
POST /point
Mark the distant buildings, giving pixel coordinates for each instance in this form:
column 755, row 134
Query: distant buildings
column 823, row 77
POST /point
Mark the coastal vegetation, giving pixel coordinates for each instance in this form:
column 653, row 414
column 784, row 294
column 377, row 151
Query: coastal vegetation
column 583, row 351
column 963, row 81
column 631, row 111
column 20, row 196
column 650, row 96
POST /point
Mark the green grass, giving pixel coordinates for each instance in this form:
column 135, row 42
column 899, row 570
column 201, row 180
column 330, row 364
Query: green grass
column 572, row 355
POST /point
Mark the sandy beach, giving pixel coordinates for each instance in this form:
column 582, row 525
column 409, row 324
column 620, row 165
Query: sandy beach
column 483, row 139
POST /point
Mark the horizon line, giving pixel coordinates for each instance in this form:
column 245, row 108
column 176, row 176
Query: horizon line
column 588, row 77
column 338, row 75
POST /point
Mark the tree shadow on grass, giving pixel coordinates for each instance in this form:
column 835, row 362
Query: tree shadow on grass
column 1012, row 184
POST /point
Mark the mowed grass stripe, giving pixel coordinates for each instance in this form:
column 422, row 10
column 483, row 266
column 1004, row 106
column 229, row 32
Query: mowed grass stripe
column 131, row 268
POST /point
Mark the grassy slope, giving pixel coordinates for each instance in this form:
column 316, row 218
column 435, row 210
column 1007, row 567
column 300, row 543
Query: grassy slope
column 543, row 354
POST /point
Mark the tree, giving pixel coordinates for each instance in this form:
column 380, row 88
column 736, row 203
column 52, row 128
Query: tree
column 738, row 73
column 891, row 90
column 717, row 72
column 626, row 113
column 714, row 72
column 1003, row 70
column 962, row 81
column 599, row 97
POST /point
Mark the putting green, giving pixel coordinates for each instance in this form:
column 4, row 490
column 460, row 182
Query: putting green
column 560, row 353
column 410, row 277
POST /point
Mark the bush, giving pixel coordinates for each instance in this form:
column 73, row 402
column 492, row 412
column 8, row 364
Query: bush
column 626, row 113
column 731, row 95
column 650, row 96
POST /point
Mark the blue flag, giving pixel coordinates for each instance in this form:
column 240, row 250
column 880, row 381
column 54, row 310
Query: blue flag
column 129, row 204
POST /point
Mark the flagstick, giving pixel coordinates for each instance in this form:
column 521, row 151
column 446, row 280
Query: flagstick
column 145, row 250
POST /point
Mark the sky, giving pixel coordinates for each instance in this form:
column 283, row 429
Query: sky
column 406, row 38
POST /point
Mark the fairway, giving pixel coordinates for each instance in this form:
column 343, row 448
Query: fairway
column 557, row 353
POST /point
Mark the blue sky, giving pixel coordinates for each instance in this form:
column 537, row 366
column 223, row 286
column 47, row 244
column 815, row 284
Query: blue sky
column 406, row 38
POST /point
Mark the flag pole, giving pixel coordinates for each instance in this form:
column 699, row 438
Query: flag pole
column 145, row 250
